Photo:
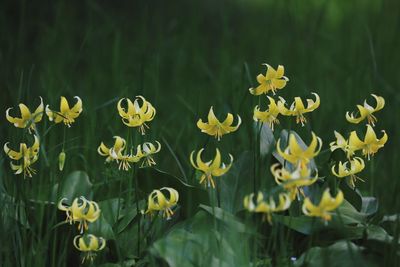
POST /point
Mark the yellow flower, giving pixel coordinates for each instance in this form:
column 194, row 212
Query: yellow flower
column 136, row 115
column 81, row 211
column 215, row 127
column 117, row 153
column 157, row 201
column 268, row 116
column 27, row 119
column 297, row 155
column 366, row 111
column 325, row 206
column 298, row 109
column 266, row 207
column 66, row 114
column 210, row 168
column 371, row 143
column 293, row 181
column 146, row 151
column 95, row 244
column 27, row 156
column 344, row 170
column 272, row 81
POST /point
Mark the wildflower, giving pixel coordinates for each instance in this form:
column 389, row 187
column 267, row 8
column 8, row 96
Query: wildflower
column 366, row 111
column 27, row 119
column 272, row 81
column 157, row 201
column 146, row 151
column 95, row 244
column 344, row 170
column 298, row 109
column 266, row 207
column 117, row 153
column 293, row 181
column 325, row 206
column 136, row 115
column 61, row 160
column 82, row 211
column 268, row 116
column 371, row 143
column 210, row 168
column 215, row 127
column 27, row 156
column 343, row 144
column 66, row 114
column 297, row 155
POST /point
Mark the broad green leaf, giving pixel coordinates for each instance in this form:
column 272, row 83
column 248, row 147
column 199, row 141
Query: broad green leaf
column 76, row 184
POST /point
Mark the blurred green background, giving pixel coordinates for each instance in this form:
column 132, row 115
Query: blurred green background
column 185, row 56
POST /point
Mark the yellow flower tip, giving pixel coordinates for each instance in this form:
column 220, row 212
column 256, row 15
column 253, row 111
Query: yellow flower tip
column 89, row 244
column 162, row 200
column 371, row 143
column 136, row 114
column 326, row 205
column 269, row 116
column 216, row 128
column 66, row 114
column 28, row 119
column 273, row 80
column 298, row 109
column 258, row 204
column 366, row 111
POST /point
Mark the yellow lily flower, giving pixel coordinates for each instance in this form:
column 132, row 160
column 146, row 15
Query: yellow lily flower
column 210, row 168
column 82, row 211
column 325, row 206
column 298, row 109
column 366, row 111
column 27, row 119
column 27, row 155
column 268, row 116
column 371, row 143
column 215, row 127
column 272, row 81
column 117, row 153
column 266, row 207
column 95, row 244
column 66, row 114
column 146, row 151
column 297, row 155
column 136, row 115
column 157, row 201
column 356, row 166
column 293, row 181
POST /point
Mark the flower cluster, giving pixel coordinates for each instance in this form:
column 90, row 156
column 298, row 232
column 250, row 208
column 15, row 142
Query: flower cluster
column 214, row 168
column 296, row 170
column 135, row 115
column 27, row 156
column 83, row 212
column 368, row 146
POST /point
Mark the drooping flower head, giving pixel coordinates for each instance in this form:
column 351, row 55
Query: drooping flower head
column 162, row 200
column 269, row 116
column 89, row 245
column 216, row 128
column 26, row 155
column 146, row 152
column 117, row 153
column 325, row 206
column 267, row 207
column 295, row 154
column 366, row 111
column 136, row 114
column 273, row 80
column 298, row 109
column 66, row 114
column 210, row 169
column 349, row 169
column 27, row 118
column 293, row 181
column 82, row 211
column 371, row 143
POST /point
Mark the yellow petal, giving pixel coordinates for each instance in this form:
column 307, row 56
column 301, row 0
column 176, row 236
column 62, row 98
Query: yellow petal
column 64, row 107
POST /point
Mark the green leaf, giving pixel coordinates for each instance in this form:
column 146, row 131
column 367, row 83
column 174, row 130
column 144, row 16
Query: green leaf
column 76, row 184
